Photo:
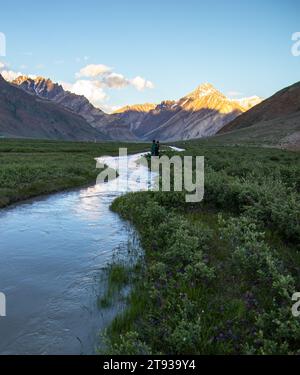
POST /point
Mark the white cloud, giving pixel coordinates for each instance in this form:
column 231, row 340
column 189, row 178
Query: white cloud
column 93, row 70
column 115, row 81
column 110, row 79
column 93, row 79
column 92, row 90
column 66, row 85
column 92, row 82
column 2, row 65
column 97, row 78
column 141, row 84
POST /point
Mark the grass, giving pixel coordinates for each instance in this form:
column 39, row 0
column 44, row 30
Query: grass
column 29, row 168
column 217, row 276
column 118, row 277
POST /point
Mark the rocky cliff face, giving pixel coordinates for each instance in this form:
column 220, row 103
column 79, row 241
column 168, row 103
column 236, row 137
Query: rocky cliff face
column 113, row 128
column 201, row 113
column 29, row 116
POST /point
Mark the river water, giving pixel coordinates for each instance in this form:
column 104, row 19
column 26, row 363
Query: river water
column 53, row 251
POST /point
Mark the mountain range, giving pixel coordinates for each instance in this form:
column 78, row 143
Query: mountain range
column 201, row 113
column 102, row 122
column 39, row 108
column 28, row 116
column 276, row 120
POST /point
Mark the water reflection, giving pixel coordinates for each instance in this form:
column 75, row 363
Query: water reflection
column 52, row 251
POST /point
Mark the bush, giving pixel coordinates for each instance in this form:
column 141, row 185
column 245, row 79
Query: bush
column 276, row 330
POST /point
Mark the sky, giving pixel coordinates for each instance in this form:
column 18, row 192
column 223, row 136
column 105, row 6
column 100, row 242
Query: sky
column 121, row 52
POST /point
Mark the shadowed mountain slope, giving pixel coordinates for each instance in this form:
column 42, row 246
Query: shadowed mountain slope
column 201, row 113
column 25, row 115
column 112, row 127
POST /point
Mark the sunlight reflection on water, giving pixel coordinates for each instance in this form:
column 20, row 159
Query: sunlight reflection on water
column 52, row 251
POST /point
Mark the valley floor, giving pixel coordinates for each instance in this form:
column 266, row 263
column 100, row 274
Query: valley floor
column 30, row 168
column 217, row 277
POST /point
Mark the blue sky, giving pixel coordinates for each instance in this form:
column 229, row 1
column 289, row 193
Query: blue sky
column 238, row 46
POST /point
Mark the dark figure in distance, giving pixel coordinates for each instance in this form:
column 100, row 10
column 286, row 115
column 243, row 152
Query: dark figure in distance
column 153, row 148
column 157, row 148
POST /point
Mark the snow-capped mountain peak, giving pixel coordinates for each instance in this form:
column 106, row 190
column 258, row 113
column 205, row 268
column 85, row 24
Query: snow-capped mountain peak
column 205, row 89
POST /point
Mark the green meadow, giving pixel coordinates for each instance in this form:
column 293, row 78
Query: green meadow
column 217, row 277
column 30, row 168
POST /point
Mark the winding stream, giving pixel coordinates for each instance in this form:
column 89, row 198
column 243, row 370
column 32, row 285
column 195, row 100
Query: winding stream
column 52, row 251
